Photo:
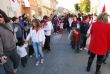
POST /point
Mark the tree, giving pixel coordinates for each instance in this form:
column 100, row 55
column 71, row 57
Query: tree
column 85, row 6
column 77, row 8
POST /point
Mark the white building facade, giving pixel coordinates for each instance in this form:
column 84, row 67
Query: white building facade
column 97, row 6
column 5, row 5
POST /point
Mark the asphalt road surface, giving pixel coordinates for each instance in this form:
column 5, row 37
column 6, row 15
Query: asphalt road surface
column 62, row 60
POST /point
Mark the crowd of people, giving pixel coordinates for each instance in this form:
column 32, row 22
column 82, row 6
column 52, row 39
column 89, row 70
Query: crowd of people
column 92, row 33
column 21, row 37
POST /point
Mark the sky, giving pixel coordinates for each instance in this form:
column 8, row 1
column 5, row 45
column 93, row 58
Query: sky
column 68, row 4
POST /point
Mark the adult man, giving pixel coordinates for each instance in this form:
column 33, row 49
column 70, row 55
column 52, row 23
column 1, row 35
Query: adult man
column 8, row 45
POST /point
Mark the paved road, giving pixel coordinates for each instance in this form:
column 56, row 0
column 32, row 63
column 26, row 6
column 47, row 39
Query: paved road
column 62, row 60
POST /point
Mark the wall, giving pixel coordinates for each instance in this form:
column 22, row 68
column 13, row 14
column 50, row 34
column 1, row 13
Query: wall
column 6, row 6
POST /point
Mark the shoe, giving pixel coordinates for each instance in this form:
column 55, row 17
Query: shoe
column 49, row 49
column 81, row 49
column 42, row 61
column 30, row 56
column 104, row 63
column 15, row 70
column 37, row 63
column 88, row 66
column 85, row 49
column 88, row 69
column 98, row 72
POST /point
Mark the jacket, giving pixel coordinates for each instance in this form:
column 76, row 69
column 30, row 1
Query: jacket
column 36, row 36
column 99, row 38
column 19, row 32
column 7, row 39
column 84, row 28
column 109, row 39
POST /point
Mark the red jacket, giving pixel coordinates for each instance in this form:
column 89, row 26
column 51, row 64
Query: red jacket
column 99, row 38
column 109, row 39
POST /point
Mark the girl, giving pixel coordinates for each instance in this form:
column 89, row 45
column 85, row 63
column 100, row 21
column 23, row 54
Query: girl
column 21, row 50
column 38, row 38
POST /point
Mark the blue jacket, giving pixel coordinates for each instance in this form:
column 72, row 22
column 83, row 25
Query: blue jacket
column 84, row 28
column 19, row 33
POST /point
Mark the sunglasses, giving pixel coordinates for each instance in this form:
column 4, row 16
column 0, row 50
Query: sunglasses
column 1, row 16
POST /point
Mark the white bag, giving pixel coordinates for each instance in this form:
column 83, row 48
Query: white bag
column 88, row 37
column 88, row 42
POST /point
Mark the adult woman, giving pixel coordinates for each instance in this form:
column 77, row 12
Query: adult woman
column 55, row 23
column 8, row 44
column 38, row 38
column 18, row 29
column 99, row 33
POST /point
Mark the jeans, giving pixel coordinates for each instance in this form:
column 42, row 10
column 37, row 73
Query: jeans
column 38, row 50
column 31, row 50
column 13, row 61
column 24, row 61
column 2, row 71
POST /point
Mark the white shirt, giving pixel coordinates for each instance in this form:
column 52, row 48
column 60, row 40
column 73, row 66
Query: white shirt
column 36, row 36
column 78, row 26
column 40, row 18
column 22, row 50
column 70, row 21
column 48, row 28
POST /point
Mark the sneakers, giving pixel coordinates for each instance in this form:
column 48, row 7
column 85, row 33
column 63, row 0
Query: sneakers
column 42, row 61
column 37, row 63
column 85, row 49
column 81, row 49
column 88, row 69
column 30, row 56
column 15, row 70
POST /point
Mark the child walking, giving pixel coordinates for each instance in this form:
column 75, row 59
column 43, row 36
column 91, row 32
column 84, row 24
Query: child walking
column 21, row 50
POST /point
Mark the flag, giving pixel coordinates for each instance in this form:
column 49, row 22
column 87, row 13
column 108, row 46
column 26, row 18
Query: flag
column 26, row 3
column 104, row 9
column 14, row 5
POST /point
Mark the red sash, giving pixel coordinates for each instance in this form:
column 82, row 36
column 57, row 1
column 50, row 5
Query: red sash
column 76, row 36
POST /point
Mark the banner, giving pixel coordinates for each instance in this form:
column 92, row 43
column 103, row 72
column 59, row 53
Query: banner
column 14, row 5
column 104, row 9
column 26, row 3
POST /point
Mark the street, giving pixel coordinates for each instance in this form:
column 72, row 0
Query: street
column 62, row 60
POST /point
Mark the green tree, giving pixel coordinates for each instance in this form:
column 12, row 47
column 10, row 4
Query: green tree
column 77, row 8
column 85, row 6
